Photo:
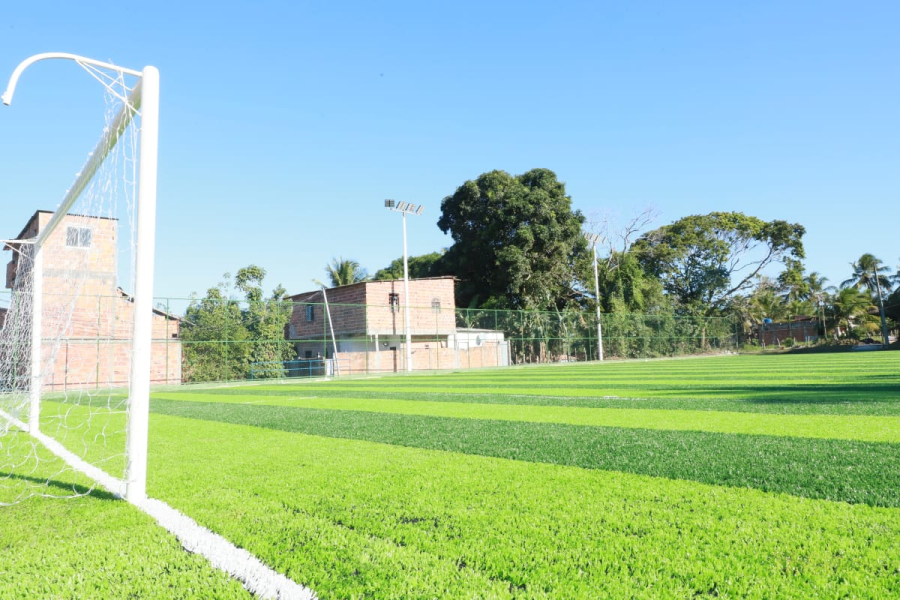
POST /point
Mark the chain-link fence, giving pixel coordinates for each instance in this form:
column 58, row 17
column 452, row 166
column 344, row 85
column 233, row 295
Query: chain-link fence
column 226, row 339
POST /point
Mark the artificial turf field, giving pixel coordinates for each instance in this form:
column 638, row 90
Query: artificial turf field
column 772, row 476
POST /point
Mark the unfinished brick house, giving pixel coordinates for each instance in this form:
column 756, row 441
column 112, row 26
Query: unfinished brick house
column 370, row 335
column 800, row 330
column 85, row 310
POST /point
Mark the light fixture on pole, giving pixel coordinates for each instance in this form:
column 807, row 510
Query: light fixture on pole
column 405, row 208
column 594, row 239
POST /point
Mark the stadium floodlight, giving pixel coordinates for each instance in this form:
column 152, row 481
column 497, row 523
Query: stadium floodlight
column 140, row 99
column 390, row 203
column 405, row 208
column 594, row 239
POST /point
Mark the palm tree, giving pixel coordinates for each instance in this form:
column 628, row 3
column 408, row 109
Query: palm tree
column 867, row 274
column 819, row 293
column 851, row 307
column 345, row 272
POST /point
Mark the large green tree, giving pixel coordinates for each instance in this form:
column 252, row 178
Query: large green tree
column 625, row 287
column 517, row 241
column 704, row 260
column 424, row 265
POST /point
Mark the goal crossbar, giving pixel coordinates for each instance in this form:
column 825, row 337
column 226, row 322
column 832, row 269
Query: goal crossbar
column 110, row 138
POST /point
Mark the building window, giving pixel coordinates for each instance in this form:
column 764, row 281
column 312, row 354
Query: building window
column 78, row 237
column 307, row 354
column 394, row 301
column 436, row 304
column 310, row 312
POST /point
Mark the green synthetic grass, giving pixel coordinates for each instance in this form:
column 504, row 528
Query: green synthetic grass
column 864, row 383
column 357, row 519
column 91, row 545
column 842, row 470
column 742, row 477
column 849, row 427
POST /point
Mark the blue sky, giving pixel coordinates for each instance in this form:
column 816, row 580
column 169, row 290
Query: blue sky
column 285, row 124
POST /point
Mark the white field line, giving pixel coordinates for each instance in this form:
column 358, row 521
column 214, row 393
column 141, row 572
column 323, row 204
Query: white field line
column 116, row 486
column 222, row 554
column 255, row 576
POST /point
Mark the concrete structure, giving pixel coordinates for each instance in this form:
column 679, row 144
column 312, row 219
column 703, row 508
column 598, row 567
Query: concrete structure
column 86, row 311
column 802, row 330
column 369, row 328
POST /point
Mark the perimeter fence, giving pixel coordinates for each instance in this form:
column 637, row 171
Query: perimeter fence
column 230, row 340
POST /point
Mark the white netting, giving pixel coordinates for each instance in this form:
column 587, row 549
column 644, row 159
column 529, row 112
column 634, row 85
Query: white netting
column 86, row 324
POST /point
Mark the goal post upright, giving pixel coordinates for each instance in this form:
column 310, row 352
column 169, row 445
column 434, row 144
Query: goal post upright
column 144, row 97
column 139, row 394
column 34, row 391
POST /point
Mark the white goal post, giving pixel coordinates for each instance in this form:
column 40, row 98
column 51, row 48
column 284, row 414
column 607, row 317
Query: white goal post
column 144, row 97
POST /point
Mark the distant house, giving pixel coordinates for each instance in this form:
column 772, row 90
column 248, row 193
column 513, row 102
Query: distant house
column 800, row 330
column 369, row 328
column 85, row 311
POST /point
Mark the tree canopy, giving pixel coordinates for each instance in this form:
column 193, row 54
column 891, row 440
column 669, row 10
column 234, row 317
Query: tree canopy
column 517, row 241
column 868, row 273
column 424, row 265
column 229, row 337
column 703, row 260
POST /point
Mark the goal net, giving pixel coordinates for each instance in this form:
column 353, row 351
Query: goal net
column 75, row 348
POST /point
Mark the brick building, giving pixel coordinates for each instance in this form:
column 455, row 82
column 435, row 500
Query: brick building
column 369, row 328
column 85, row 310
column 800, row 330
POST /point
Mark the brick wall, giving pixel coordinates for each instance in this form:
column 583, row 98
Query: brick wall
column 434, row 357
column 799, row 331
column 365, row 309
column 83, row 308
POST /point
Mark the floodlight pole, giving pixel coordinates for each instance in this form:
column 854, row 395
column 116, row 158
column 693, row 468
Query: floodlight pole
column 406, row 301
column 403, row 208
column 884, row 331
column 594, row 238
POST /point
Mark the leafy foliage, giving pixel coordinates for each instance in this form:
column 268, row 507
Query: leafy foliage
column 626, row 288
column 517, row 242
column 222, row 336
column 345, row 272
column 868, row 274
column 703, row 260
column 424, row 265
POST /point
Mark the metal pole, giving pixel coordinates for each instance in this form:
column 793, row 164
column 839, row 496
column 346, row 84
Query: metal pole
column 337, row 367
column 884, row 331
column 139, row 398
column 406, row 300
column 597, row 292
column 37, row 301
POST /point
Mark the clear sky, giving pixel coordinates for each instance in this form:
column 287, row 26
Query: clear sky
column 285, row 124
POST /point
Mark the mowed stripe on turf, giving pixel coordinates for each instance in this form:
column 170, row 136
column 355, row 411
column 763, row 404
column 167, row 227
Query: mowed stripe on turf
column 852, row 427
column 845, row 470
column 361, row 519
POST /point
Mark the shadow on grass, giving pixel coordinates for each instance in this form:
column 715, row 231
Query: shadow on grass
column 77, row 489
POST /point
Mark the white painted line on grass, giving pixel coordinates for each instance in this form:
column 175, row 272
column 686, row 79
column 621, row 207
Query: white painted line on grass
column 222, row 554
